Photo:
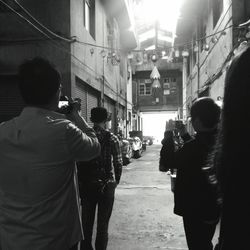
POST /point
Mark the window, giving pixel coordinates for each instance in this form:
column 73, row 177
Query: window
column 217, row 10
column 89, row 16
column 202, row 34
column 194, row 58
column 148, row 88
column 168, row 80
column 169, row 85
column 145, row 87
column 141, row 88
column 166, row 86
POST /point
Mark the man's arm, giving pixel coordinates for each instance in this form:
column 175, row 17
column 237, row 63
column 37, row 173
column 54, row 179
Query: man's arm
column 81, row 138
column 117, row 157
column 167, row 152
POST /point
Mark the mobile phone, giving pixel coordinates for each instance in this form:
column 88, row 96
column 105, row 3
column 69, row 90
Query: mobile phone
column 63, row 103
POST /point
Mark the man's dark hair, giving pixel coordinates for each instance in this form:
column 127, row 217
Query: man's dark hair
column 38, row 81
column 207, row 111
column 99, row 114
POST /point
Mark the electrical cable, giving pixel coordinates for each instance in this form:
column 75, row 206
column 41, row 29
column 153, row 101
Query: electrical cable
column 47, row 36
column 25, row 19
column 53, row 42
column 184, row 45
column 44, row 27
column 99, row 46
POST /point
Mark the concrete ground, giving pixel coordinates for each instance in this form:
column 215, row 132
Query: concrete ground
column 143, row 212
column 142, row 217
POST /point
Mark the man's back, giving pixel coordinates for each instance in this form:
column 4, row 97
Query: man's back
column 38, row 202
column 34, row 163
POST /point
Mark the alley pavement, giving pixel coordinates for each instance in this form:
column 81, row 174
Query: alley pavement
column 143, row 216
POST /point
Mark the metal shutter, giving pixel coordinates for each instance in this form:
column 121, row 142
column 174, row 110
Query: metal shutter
column 92, row 102
column 89, row 99
column 110, row 106
column 81, row 92
column 11, row 102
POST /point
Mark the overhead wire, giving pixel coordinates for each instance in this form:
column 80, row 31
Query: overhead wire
column 59, row 46
column 47, row 36
column 74, row 39
column 43, row 26
column 85, row 43
column 25, row 19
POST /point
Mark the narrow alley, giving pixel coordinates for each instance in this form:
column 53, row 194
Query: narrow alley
column 143, row 212
column 87, row 86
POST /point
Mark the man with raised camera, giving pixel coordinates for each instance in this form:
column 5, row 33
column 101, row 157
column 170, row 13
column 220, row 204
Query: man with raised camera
column 39, row 203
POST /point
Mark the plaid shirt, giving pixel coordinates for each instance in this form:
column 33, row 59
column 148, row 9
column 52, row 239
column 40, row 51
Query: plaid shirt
column 112, row 152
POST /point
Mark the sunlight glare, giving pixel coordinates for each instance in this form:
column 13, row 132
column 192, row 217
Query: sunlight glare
column 164, row 11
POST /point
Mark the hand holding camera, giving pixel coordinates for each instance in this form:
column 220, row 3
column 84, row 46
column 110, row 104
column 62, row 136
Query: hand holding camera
column 68, row 105
column 176, row 126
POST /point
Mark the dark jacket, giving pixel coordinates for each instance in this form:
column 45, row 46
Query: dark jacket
column 193, row 194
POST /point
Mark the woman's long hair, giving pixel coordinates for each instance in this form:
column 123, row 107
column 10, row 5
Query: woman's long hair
column 233, row 142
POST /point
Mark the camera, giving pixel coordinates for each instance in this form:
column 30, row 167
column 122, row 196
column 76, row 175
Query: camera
column 64, row 105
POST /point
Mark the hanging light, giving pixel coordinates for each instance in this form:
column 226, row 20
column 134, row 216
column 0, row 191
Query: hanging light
column 185, row 53
column 154, row 58
column 155, row 76
column 206, row 47
column 177, row 53
column 214, row 39
column 156, row 83
column 103, row 53
column 196, row 48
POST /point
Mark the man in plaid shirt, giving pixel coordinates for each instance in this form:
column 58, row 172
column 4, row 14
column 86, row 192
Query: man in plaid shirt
column 98, row 179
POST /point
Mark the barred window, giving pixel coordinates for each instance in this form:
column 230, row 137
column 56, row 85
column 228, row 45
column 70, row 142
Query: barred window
column 145, row 87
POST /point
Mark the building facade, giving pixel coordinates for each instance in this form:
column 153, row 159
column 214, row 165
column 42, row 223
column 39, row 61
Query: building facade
column 157, row 76
column 88, row 40
column 209, row 31
column 165, row 97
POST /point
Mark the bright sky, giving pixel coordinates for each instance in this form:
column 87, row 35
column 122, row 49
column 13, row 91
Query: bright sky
column 165, row 11
column 154, row 124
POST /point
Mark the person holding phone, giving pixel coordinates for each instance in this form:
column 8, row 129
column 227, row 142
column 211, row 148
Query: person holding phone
column 194, row 198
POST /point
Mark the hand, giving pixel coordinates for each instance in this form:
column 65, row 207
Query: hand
column 75, row 111
column 182, row 130
column 170, row 125
column 76, row 107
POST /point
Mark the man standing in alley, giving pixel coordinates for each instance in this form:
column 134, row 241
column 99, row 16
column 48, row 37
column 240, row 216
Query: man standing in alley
column 39, row 203
column 195, row 198
column 98, row 179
